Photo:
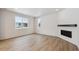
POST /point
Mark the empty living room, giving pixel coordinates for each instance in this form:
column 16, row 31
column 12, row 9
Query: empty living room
column 39, row 29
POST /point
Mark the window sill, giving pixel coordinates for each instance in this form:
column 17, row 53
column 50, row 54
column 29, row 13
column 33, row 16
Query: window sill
column 23, row 28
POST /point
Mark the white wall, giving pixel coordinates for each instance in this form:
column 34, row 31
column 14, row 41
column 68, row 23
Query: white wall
column 69, row 16
column 48, row 25
column 66, row 16
column 1, row 34
column 7, row 25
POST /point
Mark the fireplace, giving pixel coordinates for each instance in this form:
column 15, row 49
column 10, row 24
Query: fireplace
column 66, row 33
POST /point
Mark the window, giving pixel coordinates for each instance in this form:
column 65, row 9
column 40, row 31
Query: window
column 25, row 22
column 18, row 21
column 21, row 22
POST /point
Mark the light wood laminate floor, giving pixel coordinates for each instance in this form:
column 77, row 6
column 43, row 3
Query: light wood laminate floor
column 36, row 42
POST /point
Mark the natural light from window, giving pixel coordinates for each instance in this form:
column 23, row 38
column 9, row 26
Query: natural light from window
column 21, row 22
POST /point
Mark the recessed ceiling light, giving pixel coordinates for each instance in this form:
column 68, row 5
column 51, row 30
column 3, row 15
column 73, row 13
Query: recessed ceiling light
column 57, row 9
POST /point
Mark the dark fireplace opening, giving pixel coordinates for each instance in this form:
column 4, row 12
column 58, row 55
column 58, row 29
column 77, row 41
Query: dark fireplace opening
column 66, row 33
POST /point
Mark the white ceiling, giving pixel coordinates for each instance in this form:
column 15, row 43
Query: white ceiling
column 35, row 12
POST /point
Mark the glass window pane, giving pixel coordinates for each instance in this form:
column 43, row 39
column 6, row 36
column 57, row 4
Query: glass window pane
column 21, row 22
column 25, row 22
column 18, row 21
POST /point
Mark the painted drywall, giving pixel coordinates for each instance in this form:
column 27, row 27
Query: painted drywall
column 66, row 16
column 69, row 16
column 0, row 25
column 7, row 25
column 48, row 24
